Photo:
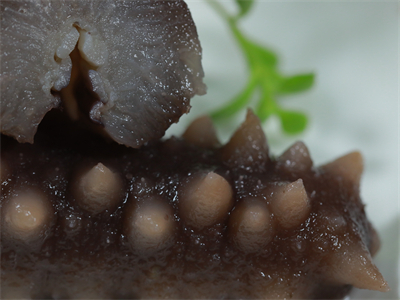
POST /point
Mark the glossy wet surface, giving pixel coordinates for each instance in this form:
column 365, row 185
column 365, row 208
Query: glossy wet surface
column 159, row 239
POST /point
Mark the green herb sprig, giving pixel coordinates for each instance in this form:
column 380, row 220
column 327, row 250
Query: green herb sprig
column 264, row 76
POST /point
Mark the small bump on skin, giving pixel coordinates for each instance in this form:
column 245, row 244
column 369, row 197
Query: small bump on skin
column 26, row 215
column 72, row 223
column 349, row 167
column 248, row 146
column 250, row 225
column 353, row 264
column 331, row 219
column 201, row 132
column 205, row 200
column 290, row 204
column 297, row 158
column 149, row 224
column 99, row 189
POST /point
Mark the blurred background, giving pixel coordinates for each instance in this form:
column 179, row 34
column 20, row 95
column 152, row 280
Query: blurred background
column 353, row 48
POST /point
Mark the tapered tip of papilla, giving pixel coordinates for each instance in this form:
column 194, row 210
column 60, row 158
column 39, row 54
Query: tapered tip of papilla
column 149, row 223
column 348, row 167
column 290, row 204
column 352, row 264
column 205, row 199
column 250, row 225
column 201, row 132
column 26, row 215
column 297, row 158
column 98, row 188
column 248, row 146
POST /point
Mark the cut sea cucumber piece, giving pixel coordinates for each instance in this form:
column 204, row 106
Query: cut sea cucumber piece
column 129, row 68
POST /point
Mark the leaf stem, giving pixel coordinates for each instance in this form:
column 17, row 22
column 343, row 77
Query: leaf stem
column 264, row 75
column 219, row 9
column 238, row 102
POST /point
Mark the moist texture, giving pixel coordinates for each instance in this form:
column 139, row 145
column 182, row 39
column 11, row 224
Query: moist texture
column 279, row 227
column 129, row 68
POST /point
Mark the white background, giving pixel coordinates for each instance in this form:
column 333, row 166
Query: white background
column 353, row 47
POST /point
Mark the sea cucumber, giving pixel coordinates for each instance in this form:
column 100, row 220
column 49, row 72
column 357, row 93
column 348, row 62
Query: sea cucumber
column 180, row 218
column 85, row 217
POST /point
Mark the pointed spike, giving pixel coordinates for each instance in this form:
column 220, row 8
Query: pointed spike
column 290, row 204
column 98, row 189
column 201, row 132
column 349, row 167
column 250, row 225
column 353, row 265
column 205, row 200
column 297, row 158
column 248, row 146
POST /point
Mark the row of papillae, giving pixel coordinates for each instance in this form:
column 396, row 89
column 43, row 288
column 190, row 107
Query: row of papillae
column 205, row 198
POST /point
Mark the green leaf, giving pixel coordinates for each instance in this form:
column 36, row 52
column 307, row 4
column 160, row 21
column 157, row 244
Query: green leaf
column 297, row 83
column 293, row 122
column 264, row 55
column 244, row 6
column 265, row 77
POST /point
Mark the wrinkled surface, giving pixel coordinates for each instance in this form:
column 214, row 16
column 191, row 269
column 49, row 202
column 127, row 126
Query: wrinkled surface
column 85, row 255
column 141, row 64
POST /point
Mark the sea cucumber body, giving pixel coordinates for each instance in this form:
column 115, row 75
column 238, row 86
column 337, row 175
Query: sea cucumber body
column 146, row 245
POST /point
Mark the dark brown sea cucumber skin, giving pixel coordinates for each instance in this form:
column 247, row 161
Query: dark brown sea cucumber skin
column 200, row 263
